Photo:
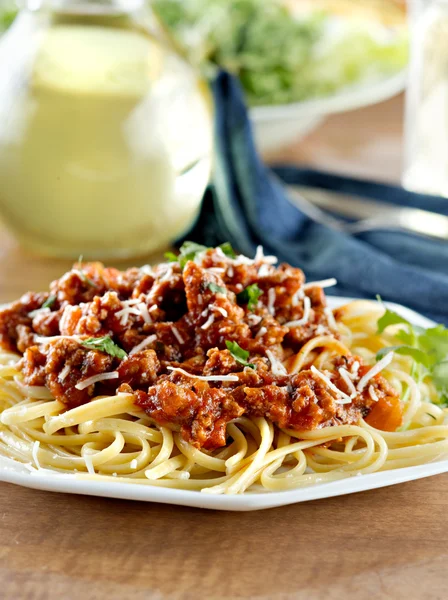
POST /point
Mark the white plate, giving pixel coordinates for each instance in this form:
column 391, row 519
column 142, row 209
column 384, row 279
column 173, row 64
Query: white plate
column 14, row 472
column 276, row 126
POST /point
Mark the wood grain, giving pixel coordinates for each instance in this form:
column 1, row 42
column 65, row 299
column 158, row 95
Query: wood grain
column 387, row 544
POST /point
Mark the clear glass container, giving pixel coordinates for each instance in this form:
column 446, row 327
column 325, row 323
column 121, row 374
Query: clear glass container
column 426, row 126
column 105, row 132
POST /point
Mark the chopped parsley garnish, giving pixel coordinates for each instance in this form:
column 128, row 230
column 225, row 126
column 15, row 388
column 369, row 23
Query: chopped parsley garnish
column 239, row 354
column 49, row 301
column 104, row 344
column 228, row 250
column 171, row 257
column 428, row 348
column 215, row 288
column 82, row 275
column 250, row 296
column 189, row 251
column 85, row 279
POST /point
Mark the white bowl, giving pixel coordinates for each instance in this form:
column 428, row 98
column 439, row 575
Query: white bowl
column 276, row 126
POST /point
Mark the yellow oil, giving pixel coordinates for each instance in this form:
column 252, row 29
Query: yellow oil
column 97, row 128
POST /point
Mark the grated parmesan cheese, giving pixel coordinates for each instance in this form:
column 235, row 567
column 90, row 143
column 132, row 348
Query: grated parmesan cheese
column 355, row 368
column 346, row 377
column 342, row 397
column 242, row 260
column 144, row 313
column 208, row 322
column 230, row 271
column 147, row 270
column 149, row 340
column 63, row 374
column 40, row 339
column 217, row 270
column 297, row 296
column 126, row 312
column 260, row 257
column 271, row 301
column 261, row 332
column 277, row 367
column 177, row 335
column 254, row 320
column 264, row 270
column 220, row 309
column 166, row 274
column 82, row 385
column 380, row 365
column 324, row 283
column 306, row 314
column 204, row 377
column 372, row 393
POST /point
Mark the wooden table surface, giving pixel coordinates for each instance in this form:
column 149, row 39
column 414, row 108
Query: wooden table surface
column 390, row 543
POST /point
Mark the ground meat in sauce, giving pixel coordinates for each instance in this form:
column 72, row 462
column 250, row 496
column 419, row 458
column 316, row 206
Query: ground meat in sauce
column 183, row 319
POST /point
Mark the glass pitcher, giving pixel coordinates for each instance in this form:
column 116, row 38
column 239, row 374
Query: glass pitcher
column 105, row 132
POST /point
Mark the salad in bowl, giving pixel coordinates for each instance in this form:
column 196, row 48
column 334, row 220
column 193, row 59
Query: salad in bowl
column 297, row 60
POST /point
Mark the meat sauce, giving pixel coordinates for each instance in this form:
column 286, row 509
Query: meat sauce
column 192, row 346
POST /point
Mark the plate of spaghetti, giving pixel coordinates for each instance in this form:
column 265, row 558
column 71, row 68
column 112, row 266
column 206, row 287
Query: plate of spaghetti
column 218, row 381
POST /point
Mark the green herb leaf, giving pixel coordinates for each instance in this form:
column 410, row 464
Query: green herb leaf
column 427, row 347
column 104, row 344
column 215, row 288
column 434, row 341
column 239, row 354
column 418, row 355
column 228, row 250
column 171, row 257
column 390, row 318
column 188, row 251
column 85, row 279
column 250, row 296
column 49, row 301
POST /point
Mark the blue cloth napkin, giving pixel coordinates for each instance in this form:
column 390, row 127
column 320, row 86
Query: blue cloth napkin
column 245, row 207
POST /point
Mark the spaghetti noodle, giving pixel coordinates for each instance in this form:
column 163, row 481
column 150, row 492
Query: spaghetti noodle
column 167, row 402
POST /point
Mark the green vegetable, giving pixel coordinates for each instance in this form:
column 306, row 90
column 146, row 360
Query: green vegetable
column 250, row 296
column 49, row 301
column 85, row 279
column 389, row 318
column 427, row 347
column 215, row 288
column 280, row 58
column 418, row 355
column 228, row 250
column 239, row 354
column 104, row 344
column 188, row 251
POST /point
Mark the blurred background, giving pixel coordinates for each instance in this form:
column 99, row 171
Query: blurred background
column 105, row 113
